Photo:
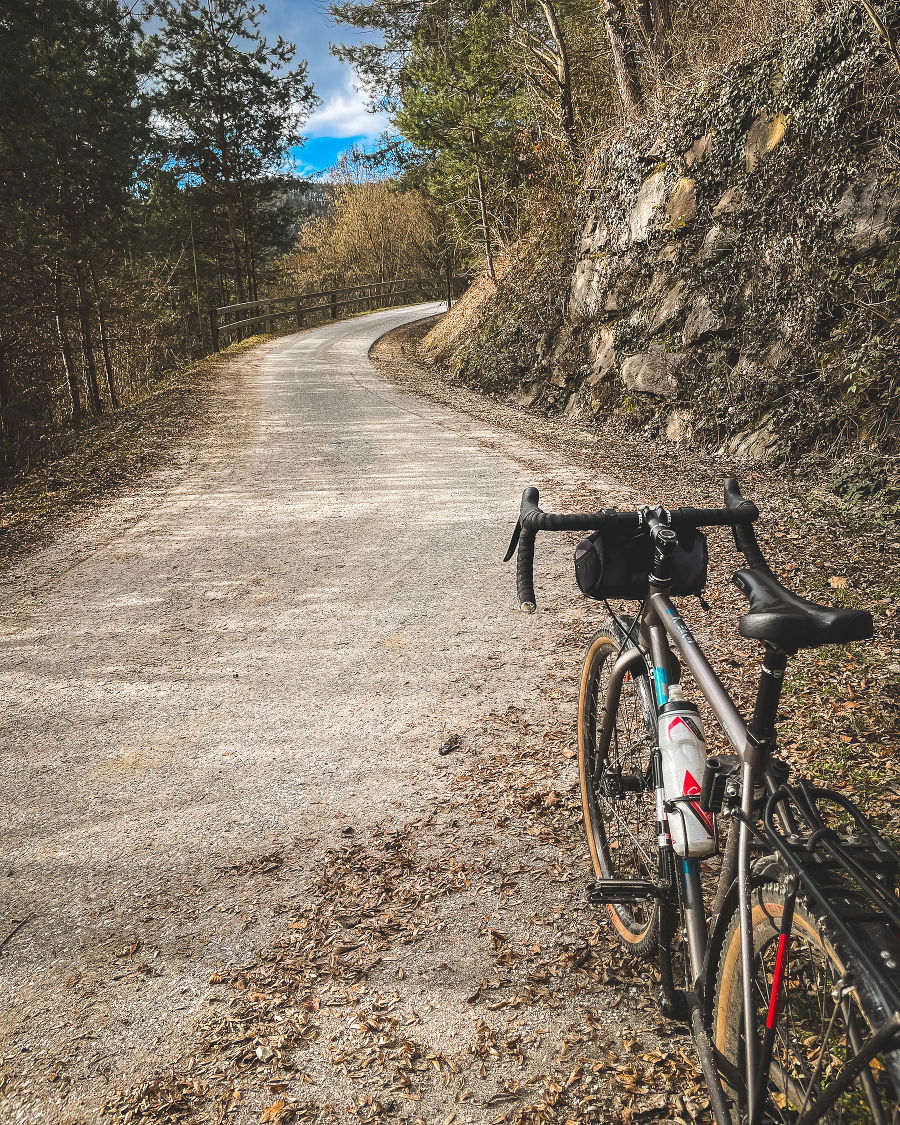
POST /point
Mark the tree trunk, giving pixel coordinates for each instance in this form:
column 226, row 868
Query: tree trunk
column 227, row 178
column 231, row 205
column 220, row 276
column 645, row 19
column 5, row 400
column 104, row 343
column 65, row 349
column 196, row 275
column 563, row 75
column 233, row 238
column 482, row 204
column 87, row 343
column 662, row 25
column 624, row 61
column 249, row 255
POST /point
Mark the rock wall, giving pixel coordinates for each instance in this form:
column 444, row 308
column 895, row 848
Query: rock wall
column 735, row 281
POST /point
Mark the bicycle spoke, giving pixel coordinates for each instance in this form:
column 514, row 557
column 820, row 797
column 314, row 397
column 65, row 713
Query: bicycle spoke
column 807, row 1097
column 615, row 813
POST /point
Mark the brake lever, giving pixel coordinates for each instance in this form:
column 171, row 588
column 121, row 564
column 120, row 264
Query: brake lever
column 513, row 543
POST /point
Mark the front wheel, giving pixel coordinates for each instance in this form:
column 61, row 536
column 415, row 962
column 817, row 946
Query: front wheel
column 617, row 793
column 829, row 1008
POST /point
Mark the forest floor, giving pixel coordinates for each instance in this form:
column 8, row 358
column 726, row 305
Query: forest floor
column 294, row 829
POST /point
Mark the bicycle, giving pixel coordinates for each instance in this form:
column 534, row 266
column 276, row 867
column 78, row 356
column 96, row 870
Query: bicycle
column 792, row 978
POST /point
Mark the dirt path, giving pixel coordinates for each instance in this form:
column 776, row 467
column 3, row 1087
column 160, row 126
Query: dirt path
column 251, row 887
column 240, row 863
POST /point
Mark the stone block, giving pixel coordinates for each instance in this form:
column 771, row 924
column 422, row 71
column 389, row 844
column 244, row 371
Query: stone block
column 682, row 206
column 756, row 444
column 731, row 202
column 651, row 195
column 867, row 213
column 701, row 321
column 653, row 372
column 670, row 307
column 698, row 151
column 602, row 355
column 717, row 242
column 765, row 134
column 587, row 281
column 680, row 427
column 595, row 236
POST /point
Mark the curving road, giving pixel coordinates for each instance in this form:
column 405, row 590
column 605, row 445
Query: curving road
column 259, row 646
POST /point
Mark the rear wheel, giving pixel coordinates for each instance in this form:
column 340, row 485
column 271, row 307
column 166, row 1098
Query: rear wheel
column 617, row 792
column 827, row 1006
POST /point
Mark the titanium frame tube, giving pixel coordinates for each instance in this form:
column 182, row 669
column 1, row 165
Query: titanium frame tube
column 751, row 1046
column 663, row 612
column 730, row 719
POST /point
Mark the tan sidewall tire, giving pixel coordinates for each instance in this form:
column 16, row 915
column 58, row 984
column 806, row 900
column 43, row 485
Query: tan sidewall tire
column 600, row 641
column 768, row 908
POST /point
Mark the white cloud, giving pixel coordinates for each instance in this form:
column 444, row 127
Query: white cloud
column 344, row 114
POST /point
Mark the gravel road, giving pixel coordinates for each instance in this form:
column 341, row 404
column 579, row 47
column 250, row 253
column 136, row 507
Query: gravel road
column 225, row 672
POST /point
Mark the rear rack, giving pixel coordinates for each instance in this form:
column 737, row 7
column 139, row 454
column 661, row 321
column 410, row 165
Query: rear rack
column 863, row 867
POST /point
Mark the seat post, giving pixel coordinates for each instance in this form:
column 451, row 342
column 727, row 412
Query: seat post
column 768, row 696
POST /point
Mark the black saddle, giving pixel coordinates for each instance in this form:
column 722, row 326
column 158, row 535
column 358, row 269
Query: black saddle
column 781, row 618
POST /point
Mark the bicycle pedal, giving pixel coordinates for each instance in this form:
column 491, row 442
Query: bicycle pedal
column 606, row 892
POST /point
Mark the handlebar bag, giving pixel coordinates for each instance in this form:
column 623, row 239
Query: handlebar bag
column 616, row 564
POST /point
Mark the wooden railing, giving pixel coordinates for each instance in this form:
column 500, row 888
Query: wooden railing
column 375, row 294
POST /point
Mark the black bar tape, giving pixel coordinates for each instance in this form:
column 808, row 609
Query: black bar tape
column 704, row 517
column 511, row 549
column 534, row 519
column 525, row 571
column 744, row 536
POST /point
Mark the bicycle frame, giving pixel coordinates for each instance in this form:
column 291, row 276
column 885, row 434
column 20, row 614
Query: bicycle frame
column 806, row 848
column 662, row 629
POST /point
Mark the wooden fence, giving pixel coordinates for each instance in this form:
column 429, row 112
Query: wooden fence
column 302, row 307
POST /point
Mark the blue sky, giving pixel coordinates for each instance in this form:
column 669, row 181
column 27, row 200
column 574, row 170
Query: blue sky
column 342, row 119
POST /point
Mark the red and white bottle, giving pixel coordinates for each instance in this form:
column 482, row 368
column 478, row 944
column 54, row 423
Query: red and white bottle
column 682, row 744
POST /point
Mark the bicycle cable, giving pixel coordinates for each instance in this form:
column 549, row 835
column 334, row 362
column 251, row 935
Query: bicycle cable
column 627, row 633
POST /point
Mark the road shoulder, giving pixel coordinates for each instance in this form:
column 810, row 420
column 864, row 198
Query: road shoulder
column 841, row 712
column 111, row 454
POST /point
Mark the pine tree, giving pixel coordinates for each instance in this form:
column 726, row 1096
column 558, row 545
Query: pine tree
column 72, row 131
column 229, row 108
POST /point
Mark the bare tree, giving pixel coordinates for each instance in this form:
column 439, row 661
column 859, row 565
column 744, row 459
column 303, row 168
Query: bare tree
column 624, row 60
column 552, row 59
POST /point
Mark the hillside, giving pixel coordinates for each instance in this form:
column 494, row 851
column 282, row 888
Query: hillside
column 732, row 278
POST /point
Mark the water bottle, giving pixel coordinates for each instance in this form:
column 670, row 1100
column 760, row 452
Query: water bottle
column 682, row 744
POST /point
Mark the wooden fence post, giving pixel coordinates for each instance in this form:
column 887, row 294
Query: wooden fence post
column 298, row 309
column 214, row 328
column 269, row 321
column 334, row 305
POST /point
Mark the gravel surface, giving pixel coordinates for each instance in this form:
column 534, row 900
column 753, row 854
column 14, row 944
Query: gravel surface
column 251, row 886
column 224, row 697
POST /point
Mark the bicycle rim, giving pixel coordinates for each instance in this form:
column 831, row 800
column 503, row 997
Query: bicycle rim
column 826, row 1015
column 620, row 819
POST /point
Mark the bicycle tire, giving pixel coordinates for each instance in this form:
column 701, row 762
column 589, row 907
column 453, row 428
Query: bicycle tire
column 815, row 965
column 628, row 749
